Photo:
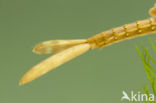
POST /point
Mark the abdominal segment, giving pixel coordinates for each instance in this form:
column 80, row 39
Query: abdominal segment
column 128, row 31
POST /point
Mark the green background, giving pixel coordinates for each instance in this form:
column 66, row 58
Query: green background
column 98, row 76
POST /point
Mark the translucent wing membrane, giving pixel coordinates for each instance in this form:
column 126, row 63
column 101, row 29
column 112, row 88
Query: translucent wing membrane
column 53, row 62
column 55, row 46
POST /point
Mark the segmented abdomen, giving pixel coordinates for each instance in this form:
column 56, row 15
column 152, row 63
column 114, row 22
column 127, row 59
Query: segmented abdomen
column 128, row 31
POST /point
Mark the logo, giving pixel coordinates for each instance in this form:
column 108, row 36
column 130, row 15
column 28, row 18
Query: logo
column 137, row 97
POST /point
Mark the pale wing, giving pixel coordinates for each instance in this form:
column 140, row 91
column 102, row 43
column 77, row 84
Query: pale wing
column 53, row 62
column 55, row 46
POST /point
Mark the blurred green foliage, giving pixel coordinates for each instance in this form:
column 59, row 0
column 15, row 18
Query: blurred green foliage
column 149, row 65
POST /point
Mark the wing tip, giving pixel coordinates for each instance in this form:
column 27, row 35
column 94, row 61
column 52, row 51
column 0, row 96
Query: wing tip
column 25, row 79
column 21, row 82
column 37, row 48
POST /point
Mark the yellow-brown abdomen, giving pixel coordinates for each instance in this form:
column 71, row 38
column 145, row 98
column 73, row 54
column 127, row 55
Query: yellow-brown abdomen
column 128, row 31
